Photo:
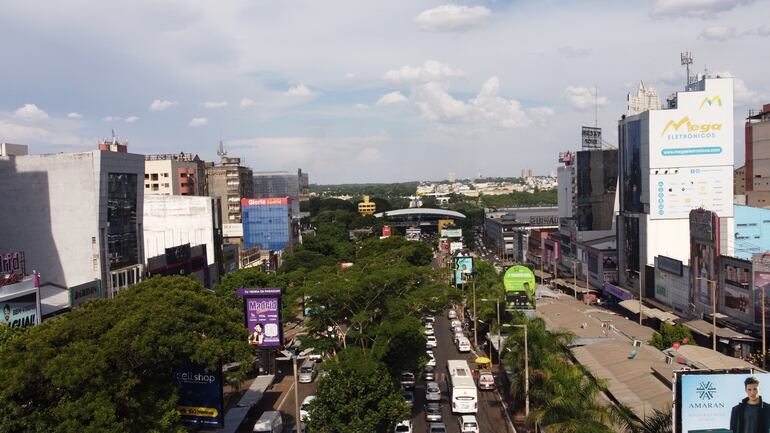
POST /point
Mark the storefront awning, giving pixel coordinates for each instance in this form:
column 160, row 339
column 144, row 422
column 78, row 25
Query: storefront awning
column 632, row 305
column 704, row 328
column 569, row 285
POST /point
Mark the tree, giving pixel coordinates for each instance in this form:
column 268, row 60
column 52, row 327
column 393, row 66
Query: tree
column 670, row 334
column 357, row 396
column 107, row 366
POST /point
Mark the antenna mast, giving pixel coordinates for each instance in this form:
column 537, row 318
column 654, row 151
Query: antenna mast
column 686, row 59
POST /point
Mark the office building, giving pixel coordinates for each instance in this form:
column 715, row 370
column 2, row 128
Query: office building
column 508, row 229
column 76, row 215
column 277, row 184
column 757, row 168
column 230, row 181
column 174, row 174
column 646, row 99
column 671, row 162
column 367, row 207
column 267, row 224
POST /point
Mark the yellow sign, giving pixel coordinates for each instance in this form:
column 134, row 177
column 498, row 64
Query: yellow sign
column 211, row 412
column 442, row 224
column 711, row 101
column 691, row 127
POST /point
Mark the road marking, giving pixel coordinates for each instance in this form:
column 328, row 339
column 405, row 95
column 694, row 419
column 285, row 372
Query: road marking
column 280, row 405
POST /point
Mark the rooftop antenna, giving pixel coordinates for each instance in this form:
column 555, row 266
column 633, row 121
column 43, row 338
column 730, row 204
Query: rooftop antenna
column 686, row 59
column 221, row 152
column 596, row 106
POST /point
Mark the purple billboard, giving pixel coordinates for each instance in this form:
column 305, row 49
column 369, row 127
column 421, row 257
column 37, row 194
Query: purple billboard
column 263, row 317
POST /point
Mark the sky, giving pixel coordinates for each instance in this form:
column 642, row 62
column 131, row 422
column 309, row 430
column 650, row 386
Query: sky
column 361, row 91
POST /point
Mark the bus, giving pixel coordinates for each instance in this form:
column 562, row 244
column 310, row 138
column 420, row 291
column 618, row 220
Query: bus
column 462, row 388
column 519, row 282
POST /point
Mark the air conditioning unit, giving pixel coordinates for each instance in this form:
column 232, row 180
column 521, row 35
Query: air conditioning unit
column 637, row 343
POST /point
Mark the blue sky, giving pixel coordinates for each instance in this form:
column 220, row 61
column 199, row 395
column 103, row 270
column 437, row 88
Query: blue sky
column 360, row 91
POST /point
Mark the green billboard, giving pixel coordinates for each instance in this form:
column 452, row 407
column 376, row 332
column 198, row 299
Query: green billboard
column 519, row 283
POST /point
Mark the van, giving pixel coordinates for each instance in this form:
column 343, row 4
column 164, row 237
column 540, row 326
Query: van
column 269, row 422
column 308, row 371
column 463, row 344
column 468, row 424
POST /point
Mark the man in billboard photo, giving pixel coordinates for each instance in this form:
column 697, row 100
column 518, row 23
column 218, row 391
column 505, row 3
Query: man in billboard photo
column 751, row 415
column 256, row 336
column 7, row 313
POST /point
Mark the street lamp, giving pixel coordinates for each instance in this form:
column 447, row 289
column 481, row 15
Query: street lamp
column 294, row 356
column 526, row 370
column 641, row 291
column 574, row 279
column 713, row 285
column 499, row 347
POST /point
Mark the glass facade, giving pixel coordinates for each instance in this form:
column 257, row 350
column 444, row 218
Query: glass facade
column 597, row 179
column 630, row 153
column 282, row 184
column 267, row 226
column 122, row 238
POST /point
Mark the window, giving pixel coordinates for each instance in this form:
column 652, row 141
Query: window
column 154, row 176
column 146, row 175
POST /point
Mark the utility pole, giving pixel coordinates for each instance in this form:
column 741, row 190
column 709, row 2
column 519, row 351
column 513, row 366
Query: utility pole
column 574, row 279
column 475, row 321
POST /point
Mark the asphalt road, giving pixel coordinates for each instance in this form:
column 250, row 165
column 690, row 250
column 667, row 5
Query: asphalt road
column 490, row 416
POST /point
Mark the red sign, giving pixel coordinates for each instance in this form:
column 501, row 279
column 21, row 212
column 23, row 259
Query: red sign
column 386, row 231
column 264, row 201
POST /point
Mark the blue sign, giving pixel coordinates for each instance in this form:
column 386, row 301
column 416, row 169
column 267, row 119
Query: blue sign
column 200, row 395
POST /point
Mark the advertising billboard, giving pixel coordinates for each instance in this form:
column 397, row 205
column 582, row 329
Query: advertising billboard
column 704, row 255
column 264, row 201
column 12, row 263
column 735, row 288
column 413, row 234
column 519, row 283
column 452, row 233
column 200, row 395
column 20, row 311
column 455, row 246
column 463, row 266
column 592, row 137
column 232, row 230
column 386, row 231
column 596, row 178
column 699, row 129
column 82, row 293
column 263, row 317
column 714, row 402
column 676, row 191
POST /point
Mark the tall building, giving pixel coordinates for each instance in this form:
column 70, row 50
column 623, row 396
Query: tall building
column 646, row 99
column 276, row 184
column 230, row 181
column 367, row 207
column 757, row 130
column 671, row 162
column 77, row 216
column 174, row 174
column 267, row 224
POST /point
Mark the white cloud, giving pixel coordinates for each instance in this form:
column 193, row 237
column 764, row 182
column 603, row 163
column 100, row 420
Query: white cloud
column 299, row 90
column 246, row 102
column 112, row 119
column 717, row 33
column 583, row 98
column 131, row 119
column 74, row 115
column 451, row 17
column 742, row 95
column 162, row 105
column 436, row 104
column 215, row 104
column 392, row 98
column 574, row 52
column 763, row 31
column 199, row 121
column 369, row 154
column 14, row 132
column 429, row 71
column 360, row 106
column 350, row 76
column 30, row 112
column 694, row 8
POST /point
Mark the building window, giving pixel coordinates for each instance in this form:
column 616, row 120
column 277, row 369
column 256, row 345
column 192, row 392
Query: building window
column 146, row 175
column 154, row 176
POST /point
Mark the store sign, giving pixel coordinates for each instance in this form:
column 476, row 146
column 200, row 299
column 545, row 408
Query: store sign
column 264, row 201
column 592, row 138
column 672, row 266
column 21, row 311
column 200, row 395
column 263, row 317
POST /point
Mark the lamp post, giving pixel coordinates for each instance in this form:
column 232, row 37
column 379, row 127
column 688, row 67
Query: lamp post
column 294, row 355
column 713, row 286
column 526, row 370
column 499, row 347
column 475, row 319
column 574, row 279
column 641, row 291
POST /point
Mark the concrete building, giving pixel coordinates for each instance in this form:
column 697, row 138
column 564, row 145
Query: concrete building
column 77, row 216
column 277, row 184
column 171, row 221
column 757, row 168
column 508, row 229
column 174, row 174
column 671, row 162
column 8, row 149
column 230, row 181
column 367, row 207
column 739, row 187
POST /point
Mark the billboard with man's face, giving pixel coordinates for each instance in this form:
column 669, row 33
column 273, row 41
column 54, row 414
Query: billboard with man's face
column 263, row 317
column 21, row 311
column 464, row 267
column 721, row 403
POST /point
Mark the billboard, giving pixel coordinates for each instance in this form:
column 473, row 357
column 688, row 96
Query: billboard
column 455, row 246
column 596, row 178
column 386, row 231
column 463, row 266
column 182, row 260
column 85, row 292
column 592, row 137
column 676, row 191
column 200, row 395
column 263, row 317
column 519, row 283
column 20, row 311
column 699, row 129
column 452, row 233
column 442, row 224
column 12, row 263
column 413, row 234
column 264, row 201
column 705, row 401
column 704, row 255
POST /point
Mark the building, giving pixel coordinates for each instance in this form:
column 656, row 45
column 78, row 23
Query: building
column 757, row 168
column 646, row 99
column 78, row 216
column 671, row 162
column 739, row 187
column 507, row 229
column 172, row 221
column 174, row 174
column 752, row 231
column 277, row 184
column 267, row 224
column 367, row 207
column 230, row 181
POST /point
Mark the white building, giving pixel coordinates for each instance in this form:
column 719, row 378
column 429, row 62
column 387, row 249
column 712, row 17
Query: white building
column 77, row 216
column 174, row 174
column 673, row 161
column 646, row 99
column 174, row 220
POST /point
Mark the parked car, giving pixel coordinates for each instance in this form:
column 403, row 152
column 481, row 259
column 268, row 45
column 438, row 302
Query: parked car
column 452, row 314
column 431, row 359
column 457, row 336
column 467, row 424
column 429, row 331
column 463, row 344
column 432, row 412
column 304, row 415
column 431, row 342
column 429, row 319
column 404, row 426
column 308, row 371
column 485, row 380
column 407, row 379
column 429, row 373
column 409, row 397
column 436, row 427
column 432, row 392
column 454, row 323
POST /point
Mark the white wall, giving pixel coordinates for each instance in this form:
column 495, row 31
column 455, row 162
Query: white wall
column 565, row 176
column 174, row 220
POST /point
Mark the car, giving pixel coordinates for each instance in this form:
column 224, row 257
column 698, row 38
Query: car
column 429, row 373
column 316, row 356
column 457, row 329
column 451, row 314
column 433, row 412
column 485, row 380
column 409, row 397
column 431, row 361
column 404, row 426
column 304, row 413
column 454, row 323
column 308, row 371
column 407, row 380
column 429, row 331
column 432, row 392
column 429, row 319
column 431, row 341
column 468, row 424
column 436, row 427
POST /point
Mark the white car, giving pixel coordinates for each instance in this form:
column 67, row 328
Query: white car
column 454, row 323
column 404, row 426
column 452, row 314
column 429, row 331
column 431, row 359
column 432, row 392
column 304, row 415
column 468, row 424
column 431, row 342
